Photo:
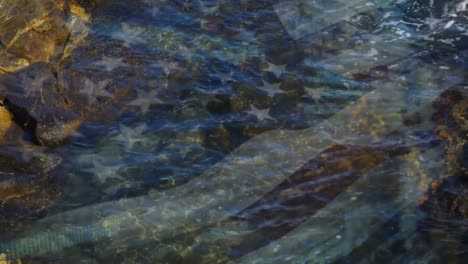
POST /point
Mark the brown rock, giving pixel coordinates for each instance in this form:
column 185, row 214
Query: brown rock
column 460, row 114
column 452, row 125
column 37, row 31
column 36, row 105
column 445, row 214
column 5, row 121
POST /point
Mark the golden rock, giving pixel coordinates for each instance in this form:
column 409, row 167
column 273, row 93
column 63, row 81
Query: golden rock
column 5, row 120
column 36, row 31
column 4, row 260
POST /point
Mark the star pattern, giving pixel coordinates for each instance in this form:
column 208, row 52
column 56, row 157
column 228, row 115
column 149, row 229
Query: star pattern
column 110, row 63
column 93, row 90
column 130, row 35
column 104, row 172
column 277, row 70
column 130, row 136
column 315, row 93
column 260, row 114
column 145, row 100
column 271, row 88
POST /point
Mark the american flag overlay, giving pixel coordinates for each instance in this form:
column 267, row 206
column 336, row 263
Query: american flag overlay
column 318, row 138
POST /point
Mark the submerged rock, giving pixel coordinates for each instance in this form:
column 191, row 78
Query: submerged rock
column 452, row 125
column 37, row 31
column 36, row 105
column 308, row 190
column 288, row 205
column 26, row 187
column 445, row 222
column 445, row 206
column 36, row 37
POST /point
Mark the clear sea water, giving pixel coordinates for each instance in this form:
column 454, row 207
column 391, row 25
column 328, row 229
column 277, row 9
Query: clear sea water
column 217, row 103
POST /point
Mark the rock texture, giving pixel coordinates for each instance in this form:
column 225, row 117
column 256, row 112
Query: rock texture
column 5, row 121
column 445, row 209
column 36, row 37
column 35, row 31
column 451, row 117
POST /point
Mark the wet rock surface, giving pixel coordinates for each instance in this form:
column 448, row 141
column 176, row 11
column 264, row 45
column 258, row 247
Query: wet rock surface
column 445, row 209
column 5, row 121
column 36, row 35
column 305, row 192
column 154, row 93
column 36, row 31
column 36, row 105
column 26, row 184
column 445, row 217
column 452, row 126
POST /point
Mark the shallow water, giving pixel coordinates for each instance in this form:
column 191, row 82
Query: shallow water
column 248, row 131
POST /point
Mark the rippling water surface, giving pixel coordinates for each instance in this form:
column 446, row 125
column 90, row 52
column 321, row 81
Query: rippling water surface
column 246, row 131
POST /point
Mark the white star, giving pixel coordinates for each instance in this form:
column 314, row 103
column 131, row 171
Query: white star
column 260, row 114
column 130, row 136
column 145, row 99
column 110, row 63
column 104, row 172
column 277, row 70
column 315, row 93
column 93, row 90
column 271, row 88
column 130, row 35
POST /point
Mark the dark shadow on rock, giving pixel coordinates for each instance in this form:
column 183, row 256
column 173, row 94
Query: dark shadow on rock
column 36, row 105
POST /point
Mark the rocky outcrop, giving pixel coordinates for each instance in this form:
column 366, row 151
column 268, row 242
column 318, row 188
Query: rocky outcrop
column 37, row 31
column 35, row 104
column 39, row 35
column 445, row 209
column 451, row 117
column 36, row 37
